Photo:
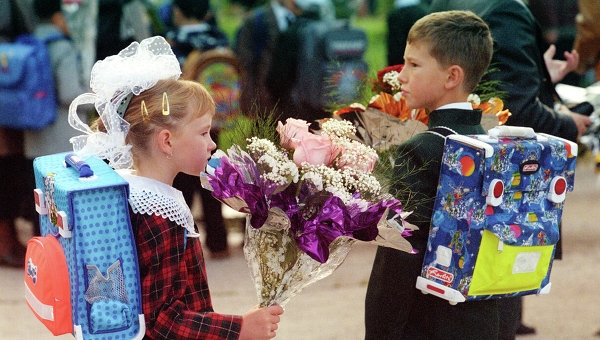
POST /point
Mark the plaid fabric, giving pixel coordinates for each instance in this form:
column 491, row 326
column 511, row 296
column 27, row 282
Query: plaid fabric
column 175, row 296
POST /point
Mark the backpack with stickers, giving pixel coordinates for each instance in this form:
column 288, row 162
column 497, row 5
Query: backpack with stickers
column 495, row 224
column 331, row 68
column 27, row 92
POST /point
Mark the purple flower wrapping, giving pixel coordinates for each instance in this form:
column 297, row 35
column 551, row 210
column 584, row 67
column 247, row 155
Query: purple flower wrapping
column 228, row 181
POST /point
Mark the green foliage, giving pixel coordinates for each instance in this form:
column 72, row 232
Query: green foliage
column 376, row 55
column 487, row 88
column 262, row 126
column 396, row 173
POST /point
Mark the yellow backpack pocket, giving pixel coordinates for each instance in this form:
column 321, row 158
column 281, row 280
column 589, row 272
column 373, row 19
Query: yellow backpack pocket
column 505, row 269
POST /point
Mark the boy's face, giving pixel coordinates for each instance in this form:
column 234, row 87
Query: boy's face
column 423, row 78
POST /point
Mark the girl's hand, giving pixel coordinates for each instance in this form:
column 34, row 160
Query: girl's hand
column 260, row 323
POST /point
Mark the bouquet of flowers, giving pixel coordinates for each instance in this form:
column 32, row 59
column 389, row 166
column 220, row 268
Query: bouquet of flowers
column 308, row 199
column 387, row 120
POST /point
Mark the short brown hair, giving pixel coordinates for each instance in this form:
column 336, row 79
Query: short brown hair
column 456, row 38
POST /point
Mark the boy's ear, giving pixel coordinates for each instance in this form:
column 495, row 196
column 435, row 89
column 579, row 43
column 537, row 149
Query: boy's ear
column 455, row 77
column 163, row 139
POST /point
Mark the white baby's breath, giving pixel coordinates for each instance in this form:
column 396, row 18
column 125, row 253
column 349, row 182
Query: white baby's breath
column 335, row 128
column 474, row 99
column 355, row 153
column 391, row 78
column 273, row 163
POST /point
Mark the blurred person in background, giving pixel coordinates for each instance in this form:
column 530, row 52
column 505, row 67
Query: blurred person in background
column 283, row 73
column 399, row 21
column 195, row 28
column 13, row 23
column 69, row 82
column 120, row 22
column 557, row 20
column 254, row 46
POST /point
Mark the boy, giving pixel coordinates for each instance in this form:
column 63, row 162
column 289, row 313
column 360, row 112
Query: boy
column 446, row 55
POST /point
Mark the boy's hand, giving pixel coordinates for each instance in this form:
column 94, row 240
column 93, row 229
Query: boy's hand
column 260, row 323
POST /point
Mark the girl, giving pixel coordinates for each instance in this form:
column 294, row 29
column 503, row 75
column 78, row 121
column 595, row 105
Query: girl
column 165, row 124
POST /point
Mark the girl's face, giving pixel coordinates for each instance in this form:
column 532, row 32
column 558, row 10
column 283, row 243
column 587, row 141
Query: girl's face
column 192, row 145
column 422, row 78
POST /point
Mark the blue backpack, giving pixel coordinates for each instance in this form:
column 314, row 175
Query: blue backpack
column 27, row 93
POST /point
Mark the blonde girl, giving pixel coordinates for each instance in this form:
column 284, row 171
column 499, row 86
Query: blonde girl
column 153, row 126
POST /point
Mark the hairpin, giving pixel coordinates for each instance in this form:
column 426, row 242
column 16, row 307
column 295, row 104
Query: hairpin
column 166, row 110
column 145, row 116
column 122, row 108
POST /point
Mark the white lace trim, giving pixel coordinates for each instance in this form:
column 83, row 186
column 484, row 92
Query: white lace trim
column 149, row 196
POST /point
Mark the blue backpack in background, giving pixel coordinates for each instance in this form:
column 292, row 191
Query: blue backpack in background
column 28, row 98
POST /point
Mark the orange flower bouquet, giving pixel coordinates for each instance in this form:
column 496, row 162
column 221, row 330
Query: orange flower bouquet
column 388, row 101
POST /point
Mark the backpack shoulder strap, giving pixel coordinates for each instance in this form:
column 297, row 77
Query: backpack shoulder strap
column 441, row 131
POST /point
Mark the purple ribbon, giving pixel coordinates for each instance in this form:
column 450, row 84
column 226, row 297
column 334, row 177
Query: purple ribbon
column 335, row 219
column 228, row 182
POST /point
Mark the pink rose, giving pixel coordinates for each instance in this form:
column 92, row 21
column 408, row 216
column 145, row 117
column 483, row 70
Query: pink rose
column 316, row 150
column 292, row 132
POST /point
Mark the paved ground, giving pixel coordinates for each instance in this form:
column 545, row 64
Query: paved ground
column 333, row 307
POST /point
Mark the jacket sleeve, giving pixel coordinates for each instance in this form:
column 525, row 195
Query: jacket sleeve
column 521, row 70
column 414, row 182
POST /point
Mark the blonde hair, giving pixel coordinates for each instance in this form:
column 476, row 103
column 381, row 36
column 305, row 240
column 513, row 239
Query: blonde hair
column 456, row 38
column 186, row 100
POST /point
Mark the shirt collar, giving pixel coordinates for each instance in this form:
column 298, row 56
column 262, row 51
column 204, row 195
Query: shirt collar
column 460, row 106
column 149, row 196
column 184, row 30
column 282, row 14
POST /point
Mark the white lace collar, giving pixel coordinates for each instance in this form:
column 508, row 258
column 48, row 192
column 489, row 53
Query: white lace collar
column 149, row 196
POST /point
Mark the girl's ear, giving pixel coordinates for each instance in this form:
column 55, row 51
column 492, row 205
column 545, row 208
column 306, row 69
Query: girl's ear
column 455, row 77
column 163, row 139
